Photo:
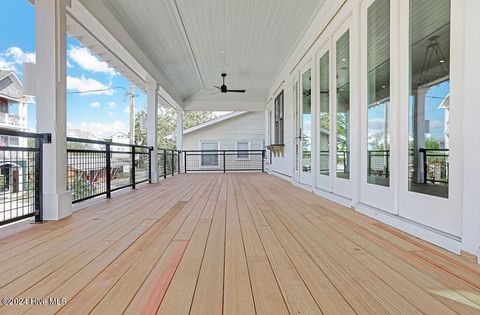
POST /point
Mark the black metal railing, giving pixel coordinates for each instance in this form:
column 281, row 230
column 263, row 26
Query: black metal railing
column 224, row 160
column 96, row 168
column 168, row 162
column 324, row 162
column 21, row 176
column 379, row 163
column 435, row 165
column 343, row 162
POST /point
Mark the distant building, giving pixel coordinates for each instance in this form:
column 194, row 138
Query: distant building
column 13, row 116
column 120, row 137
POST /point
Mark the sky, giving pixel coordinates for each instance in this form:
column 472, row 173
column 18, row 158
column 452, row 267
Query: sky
column 103, row 112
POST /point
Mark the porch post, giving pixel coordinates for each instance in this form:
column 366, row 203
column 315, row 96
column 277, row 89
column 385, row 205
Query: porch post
column 152, row 119
column 179, row 138
column 50, row 92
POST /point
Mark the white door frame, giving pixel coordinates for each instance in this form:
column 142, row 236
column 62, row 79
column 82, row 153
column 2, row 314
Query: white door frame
column 436, row 212
column 324, row 182
column 306, row 178
column 377, row 196
column 296, row 124
column 340, row 186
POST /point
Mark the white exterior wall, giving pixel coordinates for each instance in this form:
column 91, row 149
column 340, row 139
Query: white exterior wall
column 452, row 223
column 249, row 126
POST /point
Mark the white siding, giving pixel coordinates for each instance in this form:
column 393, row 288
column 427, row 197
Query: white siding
column 249, row 126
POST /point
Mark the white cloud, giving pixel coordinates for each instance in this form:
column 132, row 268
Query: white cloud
column 110, row 114
column 95, row 104
column 75, row 84
column 112, row 105
column 103, row 130
column 69, row 65
column 13, row 57
column 126, row 109
column 85, row 59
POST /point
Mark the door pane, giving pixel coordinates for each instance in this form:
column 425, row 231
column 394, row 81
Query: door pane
column 343, row 106
column 378, row 80
column 324, row 114
column 429, row 97
column 307, row 121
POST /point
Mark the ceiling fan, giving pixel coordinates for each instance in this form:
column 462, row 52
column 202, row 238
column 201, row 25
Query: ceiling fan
column 224, row 89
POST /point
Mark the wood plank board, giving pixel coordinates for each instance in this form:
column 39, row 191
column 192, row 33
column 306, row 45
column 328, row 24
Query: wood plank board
column 235, row 243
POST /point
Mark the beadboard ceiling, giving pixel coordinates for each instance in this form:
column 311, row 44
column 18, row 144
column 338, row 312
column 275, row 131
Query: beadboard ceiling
column 191, row 42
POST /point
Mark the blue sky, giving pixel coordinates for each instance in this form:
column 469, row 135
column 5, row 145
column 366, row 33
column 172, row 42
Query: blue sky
column 103, row 112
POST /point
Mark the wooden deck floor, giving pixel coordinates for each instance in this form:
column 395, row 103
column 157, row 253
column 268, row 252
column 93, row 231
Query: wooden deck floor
column 233, row 244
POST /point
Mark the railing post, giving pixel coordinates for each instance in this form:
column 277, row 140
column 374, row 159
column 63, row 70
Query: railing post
column 185, row 161
column 388, row 163
column 369, row 162
column 173, row 163
column 179, row 159
column 263, row 161
column 150, row 150
column 39, row 180
column 164, row 163
column 224, row 155
column 108, row 170
column 425, row 175
column 133, row 168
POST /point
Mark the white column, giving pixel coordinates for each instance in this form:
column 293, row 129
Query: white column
column 51, row 104
column 179, row 137
column 152, row 120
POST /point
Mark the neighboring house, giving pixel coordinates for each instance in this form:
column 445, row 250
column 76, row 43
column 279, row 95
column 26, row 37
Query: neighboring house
column 13, row 116
column 120, row 137
column 234, row 131
column 82, row 134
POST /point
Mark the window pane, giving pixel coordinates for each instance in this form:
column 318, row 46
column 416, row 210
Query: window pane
column 343, row 106
column 324, row 114
column 242, row 145
column 209, row 159
column 378, row 80
column 429, row 97
column 307, row 121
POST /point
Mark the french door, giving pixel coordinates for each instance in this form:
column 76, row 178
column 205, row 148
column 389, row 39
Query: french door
column 303, row 139
column 325, row 138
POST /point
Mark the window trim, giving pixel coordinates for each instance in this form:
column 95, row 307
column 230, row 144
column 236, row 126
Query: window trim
column 236, row 148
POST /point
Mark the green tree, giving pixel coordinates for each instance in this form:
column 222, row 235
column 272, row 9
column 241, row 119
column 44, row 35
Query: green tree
column 166, row 126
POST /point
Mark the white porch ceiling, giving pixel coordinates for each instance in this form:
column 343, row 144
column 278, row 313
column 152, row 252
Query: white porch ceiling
column 190, row 43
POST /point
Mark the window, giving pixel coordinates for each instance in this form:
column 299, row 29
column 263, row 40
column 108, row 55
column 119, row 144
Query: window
column 378, row 89
column 429, row 108
column 242, row 150
column 343, row 106
column 279, row 119
column 209, row 158
column 324, row 115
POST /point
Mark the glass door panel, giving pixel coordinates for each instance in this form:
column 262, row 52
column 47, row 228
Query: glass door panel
column 343, row 106
column 325, row 115
column 307, row 121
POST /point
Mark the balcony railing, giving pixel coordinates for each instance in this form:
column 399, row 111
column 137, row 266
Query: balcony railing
column 224, row 160
column 96, row 168
column 168, row 162
column 379, row 163
column 21, row 178
column 435, row 165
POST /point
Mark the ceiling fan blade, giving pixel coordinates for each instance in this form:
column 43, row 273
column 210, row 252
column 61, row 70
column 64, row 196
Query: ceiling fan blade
column 236, row 91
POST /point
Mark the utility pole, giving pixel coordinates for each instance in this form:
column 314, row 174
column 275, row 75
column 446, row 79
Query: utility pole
column 132, row 114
